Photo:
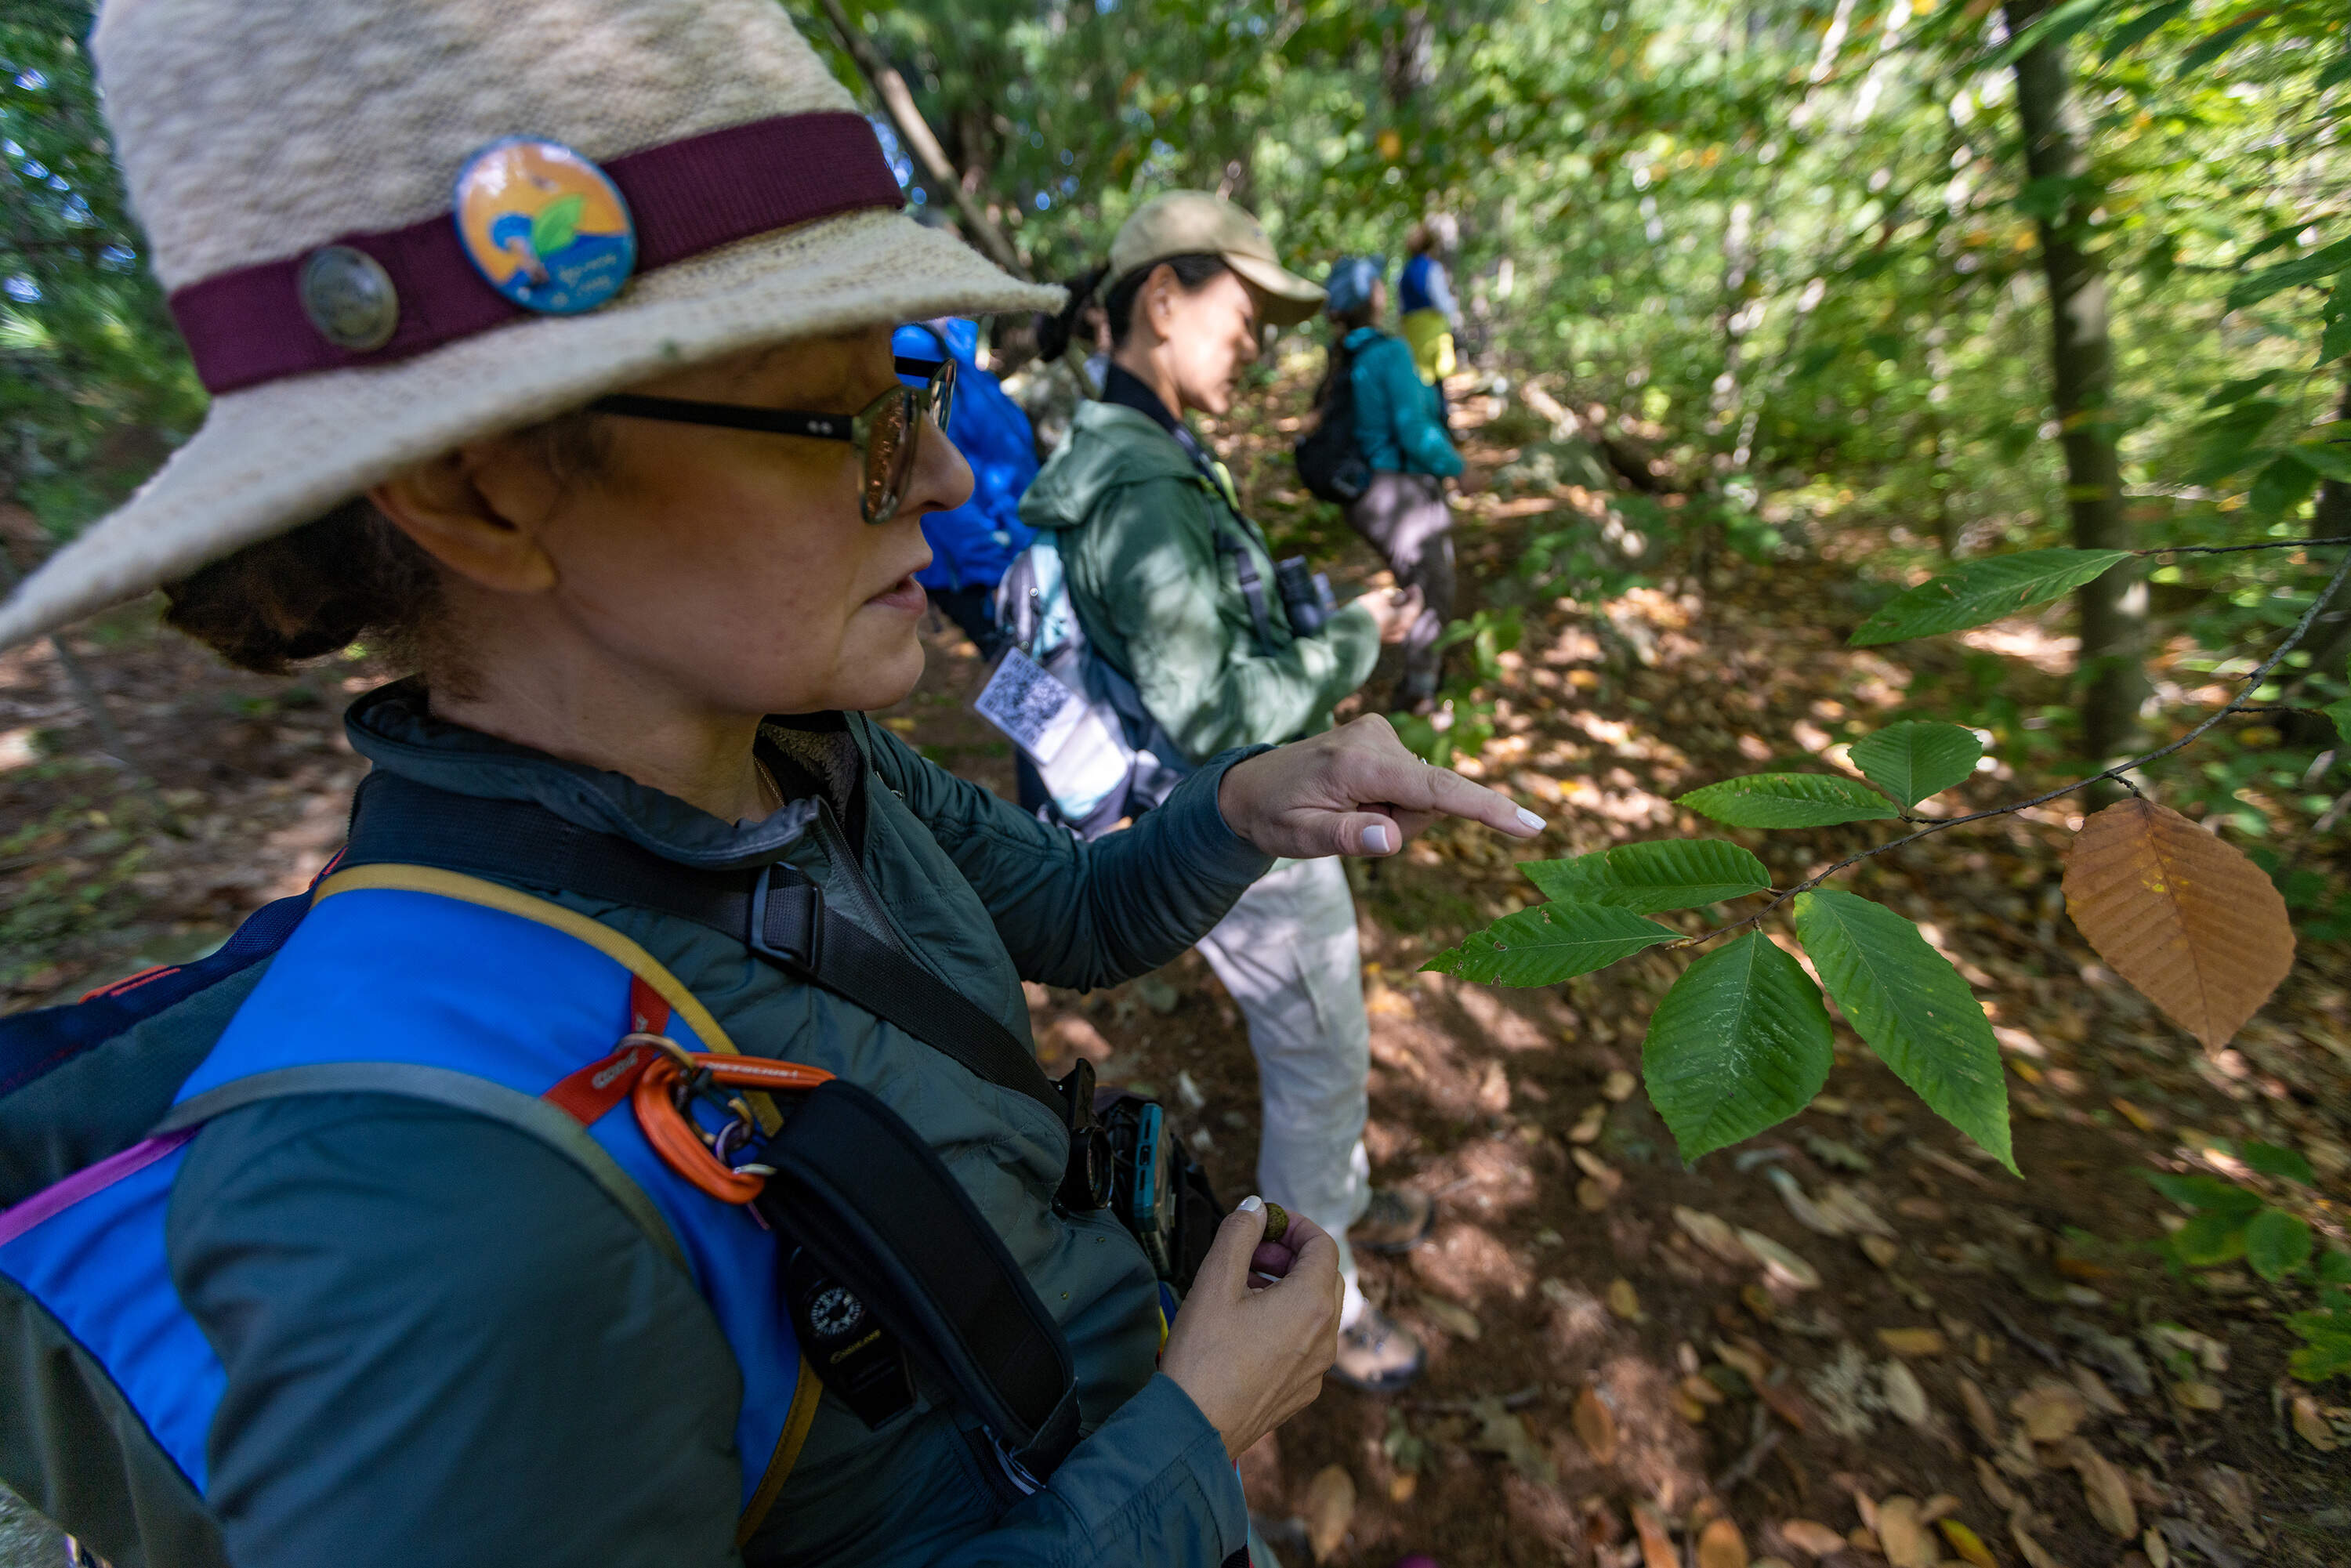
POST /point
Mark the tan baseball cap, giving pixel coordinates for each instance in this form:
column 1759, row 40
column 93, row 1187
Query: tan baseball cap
column 1194, row 223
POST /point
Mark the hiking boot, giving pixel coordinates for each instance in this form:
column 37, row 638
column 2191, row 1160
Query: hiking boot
column 1376, row 1355
column 1395, row 1220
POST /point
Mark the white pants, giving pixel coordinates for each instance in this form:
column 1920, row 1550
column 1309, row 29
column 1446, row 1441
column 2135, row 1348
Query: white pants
column 1287, row 952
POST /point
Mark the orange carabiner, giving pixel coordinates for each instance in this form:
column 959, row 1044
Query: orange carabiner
column 675, row 1138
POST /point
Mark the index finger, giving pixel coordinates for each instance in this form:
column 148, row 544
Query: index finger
column 1410, row 784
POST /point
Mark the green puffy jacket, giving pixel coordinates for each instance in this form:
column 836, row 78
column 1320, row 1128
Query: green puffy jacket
column 444, row 1344
column 1138, row 528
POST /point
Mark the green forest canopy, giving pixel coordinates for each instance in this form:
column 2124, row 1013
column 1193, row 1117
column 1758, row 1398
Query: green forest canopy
column 1798, row 241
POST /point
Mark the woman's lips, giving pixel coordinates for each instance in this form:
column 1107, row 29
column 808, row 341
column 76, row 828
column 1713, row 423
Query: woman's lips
column 904, row 595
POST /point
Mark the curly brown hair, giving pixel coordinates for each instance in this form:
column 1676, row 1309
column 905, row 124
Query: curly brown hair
column 351, row 574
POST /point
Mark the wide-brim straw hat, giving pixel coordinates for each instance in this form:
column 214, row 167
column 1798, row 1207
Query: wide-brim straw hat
column 257, row 134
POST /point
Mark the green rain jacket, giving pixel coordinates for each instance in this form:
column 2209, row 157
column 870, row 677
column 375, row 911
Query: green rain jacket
column 444, row 1344
column 1137, row 525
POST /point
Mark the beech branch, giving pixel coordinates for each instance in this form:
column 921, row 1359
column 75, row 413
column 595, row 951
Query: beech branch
column 915, row 132
column 2238, row 703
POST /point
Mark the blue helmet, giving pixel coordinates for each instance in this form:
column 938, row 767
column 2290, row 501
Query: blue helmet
column 1350, row 284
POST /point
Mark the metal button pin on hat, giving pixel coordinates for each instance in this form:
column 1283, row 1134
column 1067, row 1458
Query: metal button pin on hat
column 349, row 297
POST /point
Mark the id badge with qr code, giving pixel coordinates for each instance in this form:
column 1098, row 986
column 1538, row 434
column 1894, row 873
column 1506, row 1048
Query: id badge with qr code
column 1059, row 730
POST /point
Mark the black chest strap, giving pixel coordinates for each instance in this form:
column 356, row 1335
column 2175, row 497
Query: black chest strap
column 772, row 910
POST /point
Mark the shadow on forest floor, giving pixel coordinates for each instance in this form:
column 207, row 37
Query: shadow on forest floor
column 1596, row 1367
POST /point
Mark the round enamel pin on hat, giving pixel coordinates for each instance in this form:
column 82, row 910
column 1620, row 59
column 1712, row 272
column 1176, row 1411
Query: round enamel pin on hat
column 546, row 227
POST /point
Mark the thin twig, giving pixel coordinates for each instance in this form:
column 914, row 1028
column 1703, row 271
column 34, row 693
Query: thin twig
column 2252, row 685
column 2333, row 815
column 1517, row 1400
column 2232, row 549
column 1748, row 1463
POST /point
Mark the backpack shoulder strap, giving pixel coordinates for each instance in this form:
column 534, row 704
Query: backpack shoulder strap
column 538, row 1117
column 772, row 910
column 556, row 1120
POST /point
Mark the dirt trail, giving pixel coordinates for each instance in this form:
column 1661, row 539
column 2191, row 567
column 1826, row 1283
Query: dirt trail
column 1601, row 1359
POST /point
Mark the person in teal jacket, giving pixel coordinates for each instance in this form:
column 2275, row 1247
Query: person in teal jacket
column 1400, row 431
column 659, row 615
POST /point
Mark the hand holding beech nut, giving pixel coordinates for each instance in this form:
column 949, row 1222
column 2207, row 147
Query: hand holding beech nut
column 1251, row 1353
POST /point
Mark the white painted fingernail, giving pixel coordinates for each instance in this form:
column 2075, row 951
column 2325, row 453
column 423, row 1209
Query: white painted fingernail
column 1529, row 819
column 1376, row 839
column 1251, row 1203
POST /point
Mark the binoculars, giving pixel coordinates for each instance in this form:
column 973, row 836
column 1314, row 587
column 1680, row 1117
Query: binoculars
column 1305, row 595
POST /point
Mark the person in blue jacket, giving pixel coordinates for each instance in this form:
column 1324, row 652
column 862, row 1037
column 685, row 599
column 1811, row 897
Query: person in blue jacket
column 1400, row 431
column 972, row 544
column 1431, row 314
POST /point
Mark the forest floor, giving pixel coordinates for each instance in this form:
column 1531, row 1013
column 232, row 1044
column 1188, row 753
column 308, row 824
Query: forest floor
column 1611, row 1372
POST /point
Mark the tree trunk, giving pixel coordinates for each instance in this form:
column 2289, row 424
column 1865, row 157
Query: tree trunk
column 2111, row 677
column 915, row 132
column 1408, row 57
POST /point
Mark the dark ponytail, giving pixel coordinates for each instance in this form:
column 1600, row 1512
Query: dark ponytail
column 1054, row 332
column 1193, row 271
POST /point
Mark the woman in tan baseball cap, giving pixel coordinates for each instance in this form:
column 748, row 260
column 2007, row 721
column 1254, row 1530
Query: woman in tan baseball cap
column 492, row 1218
column 1177, row 592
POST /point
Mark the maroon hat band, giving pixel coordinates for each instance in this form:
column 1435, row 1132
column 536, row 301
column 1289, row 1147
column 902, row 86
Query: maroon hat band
column 248, row 327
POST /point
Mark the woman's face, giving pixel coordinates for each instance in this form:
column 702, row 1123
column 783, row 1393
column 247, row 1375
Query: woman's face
column 731, row 568
column 1210, row 335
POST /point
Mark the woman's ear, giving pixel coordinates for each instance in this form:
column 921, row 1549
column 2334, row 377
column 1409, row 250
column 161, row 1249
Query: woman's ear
column 1157, row 301
column 476, row 510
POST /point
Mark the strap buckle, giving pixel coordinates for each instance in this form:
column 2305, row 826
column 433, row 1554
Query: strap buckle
column 787, row 919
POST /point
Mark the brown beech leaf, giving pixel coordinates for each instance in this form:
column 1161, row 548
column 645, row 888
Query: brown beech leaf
column 1811, row 1537
column 1906, row 1541
column 1719, row 1545
column 1656, row 1543
column 1595, row 1427
column 2104, row 1487
column 2189, row 920
column 2050, row 1411
column 1330, row 1508
column 2035, row 1554
column 1979, row 1412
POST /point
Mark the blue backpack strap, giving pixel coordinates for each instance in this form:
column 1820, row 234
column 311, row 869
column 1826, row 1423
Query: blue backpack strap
column 38, row 1042
column 459, row 1091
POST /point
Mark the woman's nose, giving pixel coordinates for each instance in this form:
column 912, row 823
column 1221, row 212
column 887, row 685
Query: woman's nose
column 941, row 480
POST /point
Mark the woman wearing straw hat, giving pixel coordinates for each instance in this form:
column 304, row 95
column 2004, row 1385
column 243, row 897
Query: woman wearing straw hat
column 414, row 1290
column 1161, row 565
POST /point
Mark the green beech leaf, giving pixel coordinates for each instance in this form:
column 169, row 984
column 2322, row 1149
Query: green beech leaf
column 1984, row 590
column 558, row 225
column 2276, row 1160
column 2205, row 1194
column 1789, row 801
column 2218, row 44
column 2325, row 1348
column 1907, row 1001
column 2139, row 27
column 2210, row 1239
column 2340, row 714
column 2276, row 1244
column 2334, row 1268
column 1741, row 1041
column 1549, row 943
column 1669, row 873
column 1911, row 760
column 2336, row 341
column 2051, row 27
column 2328, row 459
column 2282, row 485
column 2319, row 264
